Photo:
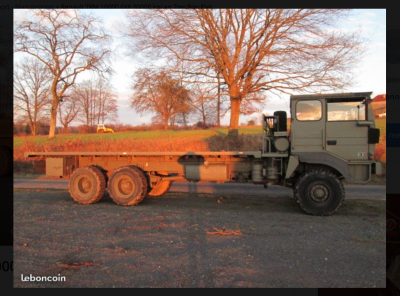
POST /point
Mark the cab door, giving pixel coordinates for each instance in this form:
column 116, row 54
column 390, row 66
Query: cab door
column 346, row 136
column 308, row 125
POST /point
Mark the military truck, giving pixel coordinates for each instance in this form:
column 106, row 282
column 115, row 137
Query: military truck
column 332, row 138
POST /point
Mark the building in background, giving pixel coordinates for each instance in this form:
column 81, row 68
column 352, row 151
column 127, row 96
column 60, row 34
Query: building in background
column 379, row 106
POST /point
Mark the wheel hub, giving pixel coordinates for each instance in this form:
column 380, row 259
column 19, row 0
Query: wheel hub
column 125, row 186
column 319, row 193
column 84, row 185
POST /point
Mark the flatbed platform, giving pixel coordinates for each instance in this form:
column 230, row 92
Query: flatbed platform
column 255, row 154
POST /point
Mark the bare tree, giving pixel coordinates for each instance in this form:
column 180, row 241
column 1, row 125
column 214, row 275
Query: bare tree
column 31, row 91
column 68, row 43
column 96, row 100
column 253, row 103
column 106, row 102
column 84, row 93
column 219, row 103
column 253, row 50
column 68, row 111
column 205, row 103
column 184, row 116
column 160, row 93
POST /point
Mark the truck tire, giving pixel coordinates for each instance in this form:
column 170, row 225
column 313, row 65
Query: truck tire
column 127, row 186
column 103, row 171
column 319, row 192
column 161, row 188
column 282, row 119
column 6, row 161
column 87, row 185
column 101, row 131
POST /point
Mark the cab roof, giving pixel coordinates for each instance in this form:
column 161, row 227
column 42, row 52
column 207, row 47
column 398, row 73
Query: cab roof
column 342, row 96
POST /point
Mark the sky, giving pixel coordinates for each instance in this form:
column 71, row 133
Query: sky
column 370, row 75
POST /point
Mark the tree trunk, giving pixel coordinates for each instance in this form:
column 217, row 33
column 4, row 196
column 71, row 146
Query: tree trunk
column 235, row 113
column 219, row 103
column 34, row 122
column 66, row 128
column 184, row 120
column 53, row 119
column 54, row 106
column 165, row 123
column 33, row 129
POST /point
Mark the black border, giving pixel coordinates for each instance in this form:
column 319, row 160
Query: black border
column 7, row 189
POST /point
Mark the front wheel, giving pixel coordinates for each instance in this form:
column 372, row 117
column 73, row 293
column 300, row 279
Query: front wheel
column 319, row 192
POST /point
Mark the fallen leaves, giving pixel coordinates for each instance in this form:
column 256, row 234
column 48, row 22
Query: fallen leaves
column 221, row 200
column 224, row 232
column 77, row 264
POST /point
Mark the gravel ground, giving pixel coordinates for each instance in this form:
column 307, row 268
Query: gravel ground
column 163, row 242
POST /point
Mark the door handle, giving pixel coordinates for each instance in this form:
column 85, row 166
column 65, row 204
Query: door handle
column 331, row 142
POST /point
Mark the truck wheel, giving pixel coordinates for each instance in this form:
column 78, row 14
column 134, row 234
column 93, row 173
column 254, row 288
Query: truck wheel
column 87, row 185
column 160, row 189
column 319, row 192
column 101, row 131
column 6, row 160
column 127, row 186
column 103, row 171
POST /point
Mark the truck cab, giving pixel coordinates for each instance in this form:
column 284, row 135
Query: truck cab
column 331, row 138
column 337, row 130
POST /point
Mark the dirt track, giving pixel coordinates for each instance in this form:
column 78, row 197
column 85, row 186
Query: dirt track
column 164, row 242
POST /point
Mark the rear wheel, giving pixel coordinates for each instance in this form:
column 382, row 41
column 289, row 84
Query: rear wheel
column 87, row 185
column 103, row 171
column 319, row 192
column 160, row 188
column 127, row 186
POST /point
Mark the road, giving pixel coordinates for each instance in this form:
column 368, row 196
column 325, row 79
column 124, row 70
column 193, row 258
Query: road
column 377, row 192
column 168, row 241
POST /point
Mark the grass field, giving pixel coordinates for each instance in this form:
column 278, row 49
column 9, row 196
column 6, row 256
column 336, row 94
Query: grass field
column 190, row 140
column 145, row 135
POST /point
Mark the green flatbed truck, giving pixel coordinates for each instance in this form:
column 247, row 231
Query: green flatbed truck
column 332, row 138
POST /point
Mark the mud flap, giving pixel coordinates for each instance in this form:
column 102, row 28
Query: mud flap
column 292, row 166
column 377, row 168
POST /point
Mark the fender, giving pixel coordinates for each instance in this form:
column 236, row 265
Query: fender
column 323, row 158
